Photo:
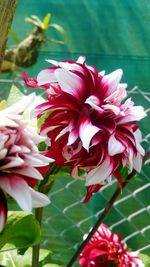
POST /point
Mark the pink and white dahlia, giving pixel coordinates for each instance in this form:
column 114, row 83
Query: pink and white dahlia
column 106, row 249
column 19, row 157
column 89, row 126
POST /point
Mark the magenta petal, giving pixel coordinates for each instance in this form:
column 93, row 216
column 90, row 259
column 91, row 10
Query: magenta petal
column 91, row 189
column 95, row 252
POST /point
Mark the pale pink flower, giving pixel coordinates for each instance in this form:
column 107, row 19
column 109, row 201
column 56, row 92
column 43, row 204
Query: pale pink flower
column 106, row 249
column 89, row 127
column 19, row 157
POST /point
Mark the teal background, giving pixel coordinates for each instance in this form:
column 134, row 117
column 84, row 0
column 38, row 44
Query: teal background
column 111, row 34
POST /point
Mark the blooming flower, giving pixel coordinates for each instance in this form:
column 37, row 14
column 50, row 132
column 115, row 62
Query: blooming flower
column 105, row 249
column 19, row 157
column 89, row 127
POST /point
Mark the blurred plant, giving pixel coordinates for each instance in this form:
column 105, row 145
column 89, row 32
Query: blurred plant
column 26, row 52
column 45, row 25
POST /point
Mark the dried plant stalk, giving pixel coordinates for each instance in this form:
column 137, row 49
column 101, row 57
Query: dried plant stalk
column 7, row 10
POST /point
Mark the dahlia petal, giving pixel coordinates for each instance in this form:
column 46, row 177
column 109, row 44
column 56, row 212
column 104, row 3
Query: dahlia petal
column 53, row 62
column 3, row 140
column 96, row 252
column 21, row 105
column 117, row 96
column 62, row 132
column 110, row 82
column 70, row 82
column 81, row 59
column 14, row 162
column 28, row 171
column 114, row 146
column 15, row 149
column 137, row 162
column 44, row 159
column 18, row 189
column 113, row 108
column 87, row 131
column 91, row 189
column 73, row 67
column 46, row 76
column 138, row 139
column 133, row 114
column 94, row 102
column 104, row 231
column 30, row 82
column 38, row 199
column 37, row 160
column 101, row 173
column 40, row 109
column 73, row 135
column 6, row 122
column 3, row 153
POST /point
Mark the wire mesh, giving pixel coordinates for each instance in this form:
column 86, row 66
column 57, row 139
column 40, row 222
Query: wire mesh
column 67, row 219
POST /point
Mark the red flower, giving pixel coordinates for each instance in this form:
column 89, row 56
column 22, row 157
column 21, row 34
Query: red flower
column 106, row 249
column 89, row 127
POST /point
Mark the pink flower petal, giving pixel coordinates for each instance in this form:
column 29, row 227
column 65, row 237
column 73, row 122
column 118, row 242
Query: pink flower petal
column 137, row 162
column 110, row 82
column 46, row 76
column 13, row 162
column 17, row 188
column 21, row 105
column 86, row 131
column 3, row 153
column 38, row 199
column 99, row 174
column 28, row 171
column 114, row 146
column 70, row 83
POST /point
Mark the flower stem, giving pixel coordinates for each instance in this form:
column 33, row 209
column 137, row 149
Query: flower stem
column 36, row 248
column 45, row 188
column 104, row 213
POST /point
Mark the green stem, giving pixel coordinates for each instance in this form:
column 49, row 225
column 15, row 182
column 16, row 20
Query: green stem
column 36, row 248
column 44, row 187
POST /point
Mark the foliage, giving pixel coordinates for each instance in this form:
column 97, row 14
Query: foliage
column 22, row 231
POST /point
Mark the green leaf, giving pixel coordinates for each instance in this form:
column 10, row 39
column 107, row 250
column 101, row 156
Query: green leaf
column 35, row 20
column 21, row 230
column 46, row 21
column 146, row 259
column 10, row 258
column 14, row 95
column 14, row 36
column 42, row 119
column 61, row 31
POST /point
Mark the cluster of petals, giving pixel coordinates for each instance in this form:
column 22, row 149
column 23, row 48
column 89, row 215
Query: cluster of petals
column 106, row 249
column 90, row 128
column 19, row 157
